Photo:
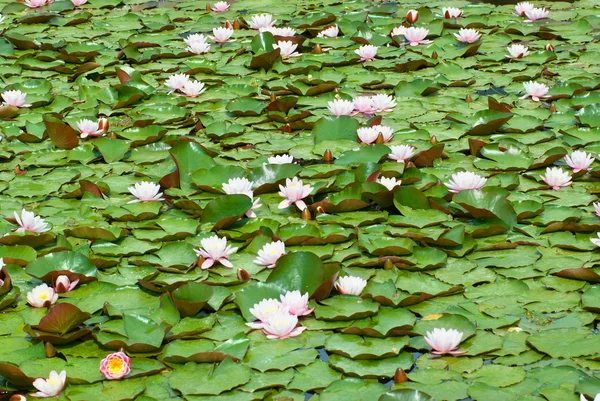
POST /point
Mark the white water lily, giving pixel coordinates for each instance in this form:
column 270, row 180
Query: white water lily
column 282, row 325
column 367, row 135
column 220, row 6
column 597, row 208
column 596, row 241
column 177, row 82
column 15, row 98
column 582, row 397
column 264, row 310
column 415, row 36
column 522, row 7
column 287, row 49
column 296, row 303
column 221, row 34
column 556, row 178
column 330, row 32
column 386, row 132
column 242, row 186
column 215, row 249
column 444, row 341
column 283, row 32
column 193, row 89
column 1, row 18
column 389, row 183
column 52, row 386
column 42, row 296
column 294, row 191
column 451, row 12
column 517, row 51
column 383, row 102
column 28, row 221
column 350, row 285
column 281, row 159
column 340, row 107
column 535, row 14
column 270, row 253
column 467, row 35
column 262, row 21
column 535, row 90
column 89, row 128
column 401, row 153
column 197, row 44
column 579, row 160
column 366, row 52
column 465, row 180
column 145, row 191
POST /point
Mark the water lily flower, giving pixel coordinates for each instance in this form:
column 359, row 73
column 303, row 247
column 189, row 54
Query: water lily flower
column 549, row 47
column 52, row 386
column 296, row 303
column 597, row 208
column 262, row 21
column 64, row 284
column 282, row 325
column 197, row 44
column 1, row 266
column 215, row 249
column 596, row 241
column 330, row 32
column 363, row 104
column 78, row 3
column 285, row 32
column 15, row 98
column 41, row 296
column 401, row 153
column 177, row 82
column 115, row 366
column 294, row 191
column 582, row 397
column 522, row 7
column 398, row 31
column 464, row 180
column 264, row 310
column 444, row 341
column 28, row 221
column 340, row 107
column 517, row 51
column 193, row 89
column 389, row 183
column 366, row 52
column 579, row 160
column 467, row 35
column 416, row 36
column 386, row 132
column 35, row 3
column 220, row 6
column 367, row 135
column 556, row 178
column 535, row 14
column 270, row 253
column 287, row 48
column 221, row 35
column 145, row 191
column 383, row 102
column 89, row 128
column 281, row 159
column 242, row 186
column 350, row 285
column 451, row 12
column 535, row 90
column 412, row 16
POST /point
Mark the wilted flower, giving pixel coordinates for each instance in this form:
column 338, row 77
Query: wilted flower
column 383, row 102
column 467, row 35
column 115, row 366
column 145, row 191
column 464, row 180
column 52, row 386
column 177, row 82
column 215, row 249
column 296, row 303
column 535, row 14
column 78, row 3
column 220, row 6
column 28, row 221
column 366, row 52
column 294, row 192
column 579, row 160
column 63, row 284
column 262, row 21
column 522, row 7
column 89, row 128
column 556, row 178
column 193, row 89
column 444, row 341
column 15, row 98
column 389, row 183
column 363, row 104
column 412, row 16
column 281, row 159
column 350, row 285
column 517, row 51
column 401, row 153
column 221, row 35
column 282, row 325
column 35, row 3
column 287, row 48
column 340, row 107
column 197, row 44
column 451, row 12
column 270, row 253
column 330, row 32
column 367, row 135
column 264, row 310
column 535, row 90
column 415, row 36
column 242, row 186
column 41, row 296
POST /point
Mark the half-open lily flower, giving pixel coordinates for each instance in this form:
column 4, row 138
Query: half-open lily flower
column 467, row 35
column 63, row 284
column 35, row 3
column 465, row 180
column 262, row 21
column 579, row 160
column 444, row 341
column 287, row 48
column 366, row 52
column 582, row 397
column 412, row 16
column 350, row 285
column 28, row 221
column 415, row 36
column 50, row 387
column 383, row 102
column 115, row 366
column 193, row 89
column 282, row 325
column 221, row 35
column 556, row 178
column 42, row 296
column 536, row 13
column 330, row 32
column 294, row 191
column 596, row 241
column 284, row 32
column 386, row 132
column 401, row 153
column 15, row 98
column 522, row 7
column 389, row 183
column 270, row 253
column 517, row 51
column 367, row 135
column 197, row 44
column 451, row 12
column 177, row 82
column 89, row 128
column 220, row 6
column 281, row 159
column 215, row 249
column 535, row 90
column 296, row 303
column 78, row 3
column 145, row 191
column 363, row 104
column 340, row 107
column 264, row 311
column 242, row 186
column 597, row 208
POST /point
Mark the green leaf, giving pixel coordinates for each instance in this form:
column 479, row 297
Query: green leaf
column 333, row 128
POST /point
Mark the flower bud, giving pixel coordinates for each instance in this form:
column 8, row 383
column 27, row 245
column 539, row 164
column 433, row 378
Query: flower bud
column 549, row 47
column 327, row 156
column 63, row 284
column 103, row 124
column 412, row 16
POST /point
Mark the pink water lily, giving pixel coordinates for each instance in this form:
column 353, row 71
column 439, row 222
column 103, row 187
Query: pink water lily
column 220, row 6
column 294, row 191
column 366, row 52
column 401, row 153
column 535, row 14
column 389, row 183
column 517, row 51
column 42, row 296
column 221, row 35
column 416, row 36
column 35, row 3
column 193, row 89
column 287, row 49
column 444, row 341
column 296, row 303
column 522, row 7
column 50, row 387
column 115, row 366
column 215, row 249
column 264, row 311
column 15, row 98
column 28, row 221
column 89, row 128
column 282, row 325
column 535, row 90
column 383, row 102
column 579, row 160
column 270, row 253
column 78, row 3
column 340, row 107
column 177, row 82
column 465, row 180
column 64, row 284
column 467, row 35
column 597, row 208
column 350, row 285
column 330, row 32
column 556, row 178
column 363, row 104
column 451, row 12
